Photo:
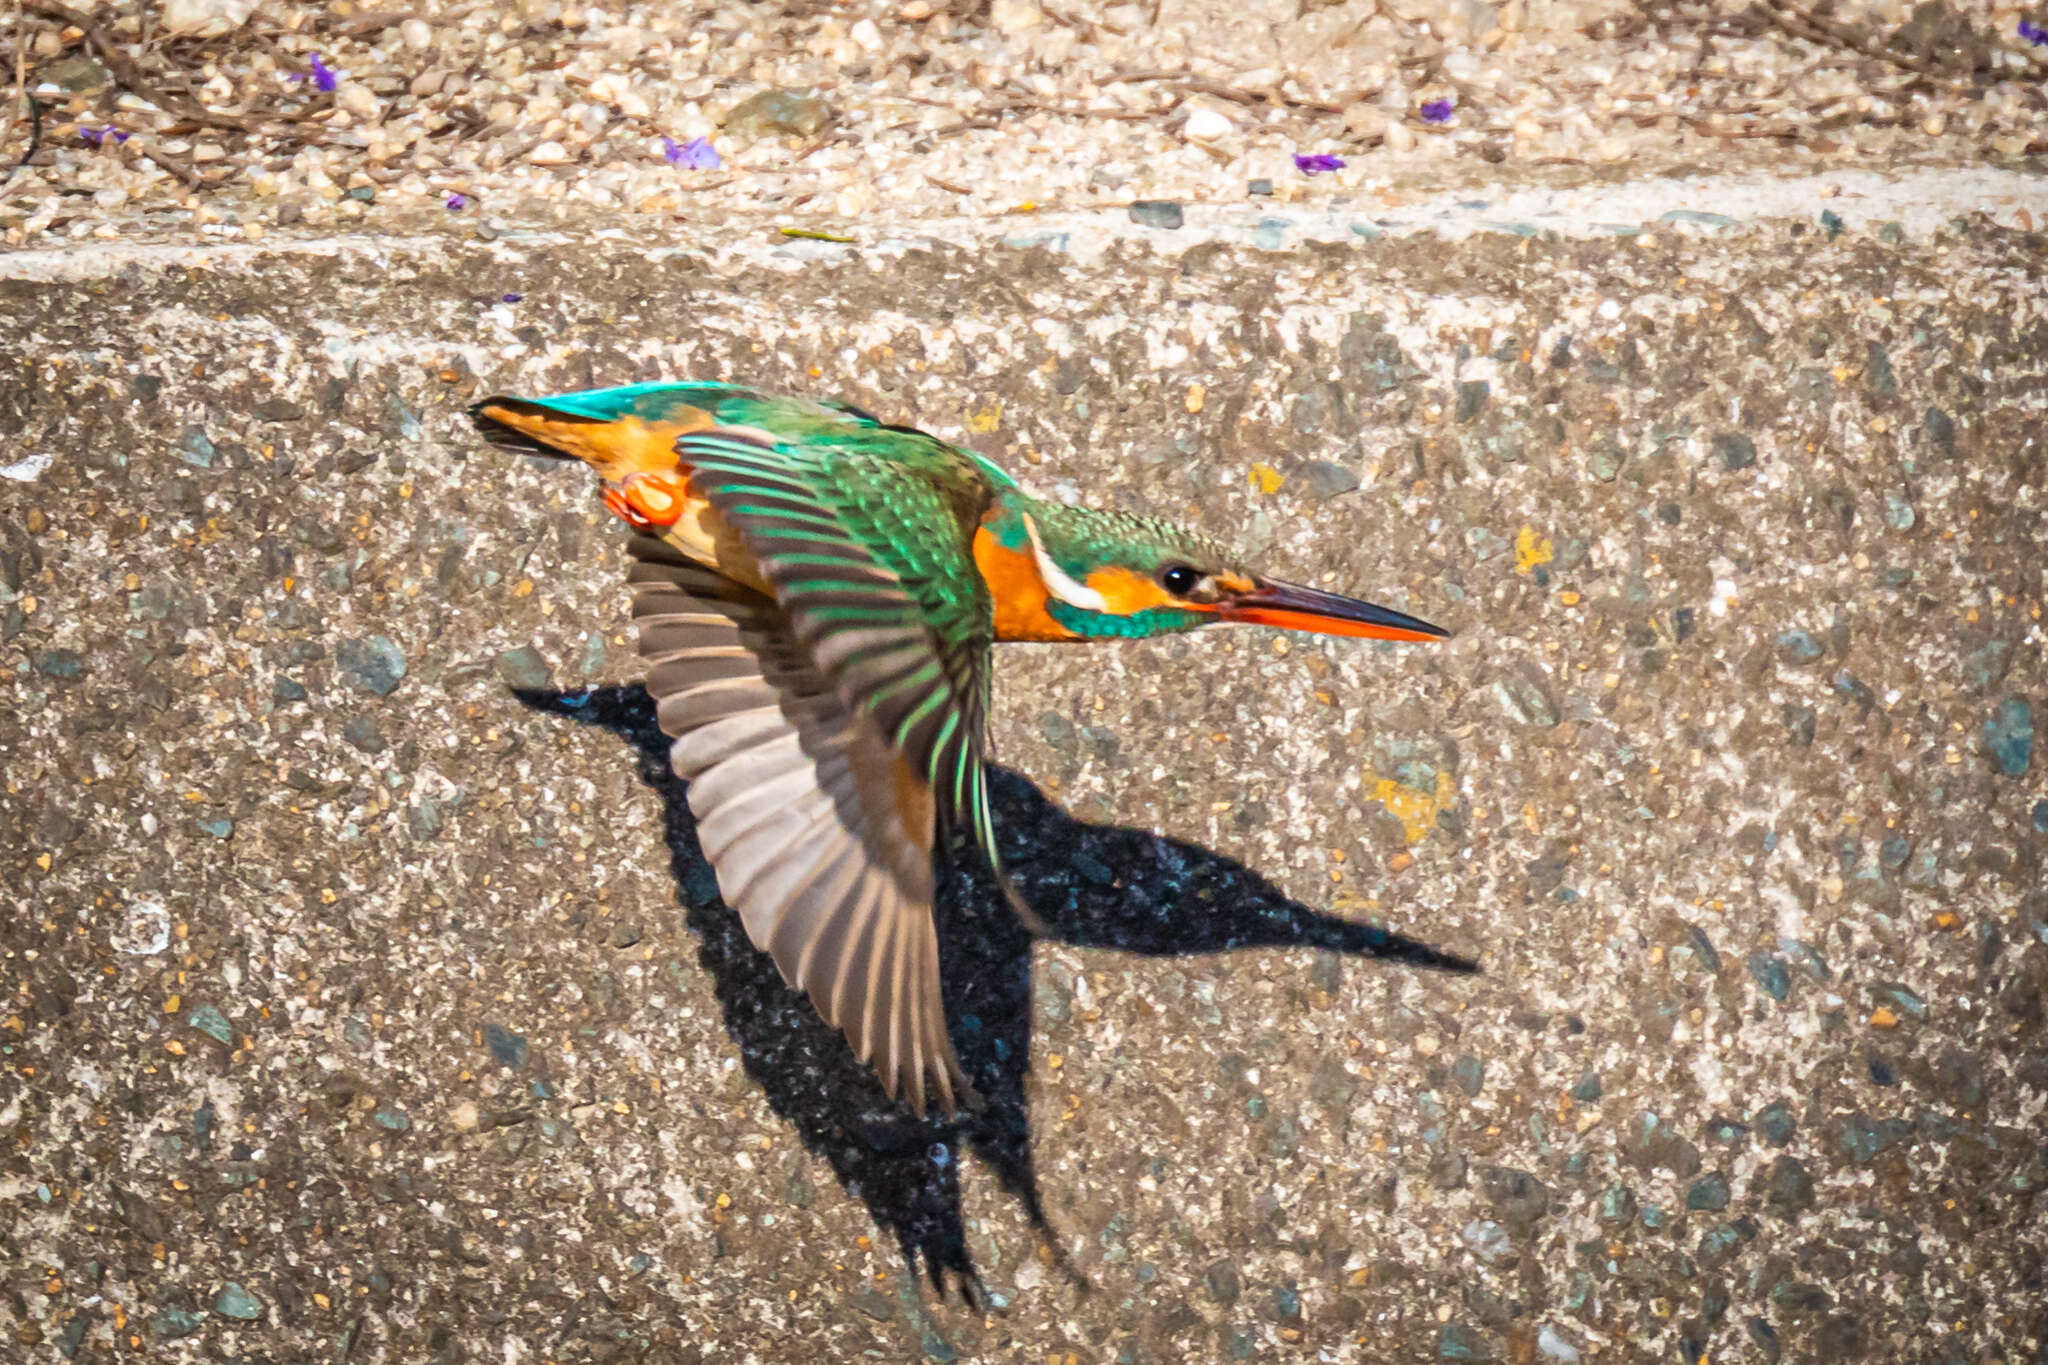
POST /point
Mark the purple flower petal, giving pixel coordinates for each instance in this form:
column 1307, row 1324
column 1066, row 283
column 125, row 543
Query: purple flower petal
column 696, row 155
column 1437, row 111
column 510, row 298
column 2034, row 33
column 457, row 201
column 1315, row 163
column 325, row 77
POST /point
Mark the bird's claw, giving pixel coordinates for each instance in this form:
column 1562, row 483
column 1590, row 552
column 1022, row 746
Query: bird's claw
column 646, row 502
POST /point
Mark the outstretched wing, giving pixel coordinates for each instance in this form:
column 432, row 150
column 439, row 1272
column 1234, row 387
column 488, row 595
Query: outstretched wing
column 819, row 828
column 870, row 559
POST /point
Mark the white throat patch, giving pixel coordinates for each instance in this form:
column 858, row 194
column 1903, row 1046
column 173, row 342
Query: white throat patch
column 1055, row 578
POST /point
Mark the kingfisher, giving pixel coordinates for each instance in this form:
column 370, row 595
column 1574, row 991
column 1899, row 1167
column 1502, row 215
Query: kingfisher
column 816, row 592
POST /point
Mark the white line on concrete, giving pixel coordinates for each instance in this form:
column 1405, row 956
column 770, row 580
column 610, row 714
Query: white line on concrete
column 1919, row 200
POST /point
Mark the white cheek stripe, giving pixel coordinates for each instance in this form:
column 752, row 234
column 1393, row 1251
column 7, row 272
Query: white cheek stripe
column 1055, row 578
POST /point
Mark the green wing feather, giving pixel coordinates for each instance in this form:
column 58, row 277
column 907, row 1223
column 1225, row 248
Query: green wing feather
column 871, row 557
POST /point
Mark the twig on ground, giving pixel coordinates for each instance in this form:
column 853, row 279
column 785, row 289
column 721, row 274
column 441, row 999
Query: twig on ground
column 1201, row 85
column 1021, row 100
column 371, row 24
column 176, row 165
column 35, row 138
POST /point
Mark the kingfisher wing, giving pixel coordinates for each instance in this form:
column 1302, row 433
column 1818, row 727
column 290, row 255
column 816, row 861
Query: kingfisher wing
column 818, row 827
column 868, row 549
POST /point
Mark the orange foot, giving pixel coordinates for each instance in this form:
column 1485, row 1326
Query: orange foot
column 646, row 501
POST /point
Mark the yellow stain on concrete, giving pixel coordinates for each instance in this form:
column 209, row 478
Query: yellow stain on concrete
column 987, row 420
column 1267, row 479
column 1417, row 811
column 1532, row 549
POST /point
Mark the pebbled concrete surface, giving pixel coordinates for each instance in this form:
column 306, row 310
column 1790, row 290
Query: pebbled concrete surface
column 364, row 998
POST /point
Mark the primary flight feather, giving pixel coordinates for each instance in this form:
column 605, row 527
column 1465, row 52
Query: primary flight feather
column 816, row 593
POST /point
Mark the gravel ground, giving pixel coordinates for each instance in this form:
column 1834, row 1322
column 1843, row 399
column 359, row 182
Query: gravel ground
column 365, row 998
column 302, row 117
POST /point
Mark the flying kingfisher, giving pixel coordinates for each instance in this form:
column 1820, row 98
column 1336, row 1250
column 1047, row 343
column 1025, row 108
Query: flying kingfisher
column 815, row 592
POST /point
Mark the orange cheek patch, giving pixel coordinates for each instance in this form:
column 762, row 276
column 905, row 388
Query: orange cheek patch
column 1017, row 592
column 1126, row 592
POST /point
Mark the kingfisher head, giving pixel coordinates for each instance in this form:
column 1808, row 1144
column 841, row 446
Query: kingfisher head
column 1064, row 573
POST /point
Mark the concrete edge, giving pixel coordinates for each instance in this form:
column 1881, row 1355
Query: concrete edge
column 1919, row 201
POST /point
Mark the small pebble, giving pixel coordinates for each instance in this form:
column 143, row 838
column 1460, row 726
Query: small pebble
column 213, row 1024
column 507, row 1048
column 1788, row 1187
column 1156, row 213
column 236, row 1302
column 778, row 113
column 1207, row 125
column 1734, row 450
column 2009, row 735
column 1488, row 1240
column 523, row 668
column 1709, row 1194
column 373, row 663
column 1771, row 973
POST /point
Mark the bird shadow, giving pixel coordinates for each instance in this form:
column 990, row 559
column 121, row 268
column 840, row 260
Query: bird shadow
column 1095, row 886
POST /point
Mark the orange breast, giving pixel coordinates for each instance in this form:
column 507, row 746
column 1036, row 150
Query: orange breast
column 1017, row 591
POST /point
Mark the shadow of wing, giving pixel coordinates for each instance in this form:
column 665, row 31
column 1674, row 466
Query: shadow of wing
column 1164, row 897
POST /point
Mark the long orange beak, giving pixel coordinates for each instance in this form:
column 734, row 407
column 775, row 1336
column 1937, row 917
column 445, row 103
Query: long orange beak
column 1294, row 607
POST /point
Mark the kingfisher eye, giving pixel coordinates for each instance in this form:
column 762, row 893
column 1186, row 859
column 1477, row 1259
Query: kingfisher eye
column 1180, row 580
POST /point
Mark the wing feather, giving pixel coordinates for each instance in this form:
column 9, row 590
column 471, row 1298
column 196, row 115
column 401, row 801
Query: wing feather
column 799, row 809
column 870, row 560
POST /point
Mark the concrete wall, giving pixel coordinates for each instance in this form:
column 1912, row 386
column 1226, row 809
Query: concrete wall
column 365, row 998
